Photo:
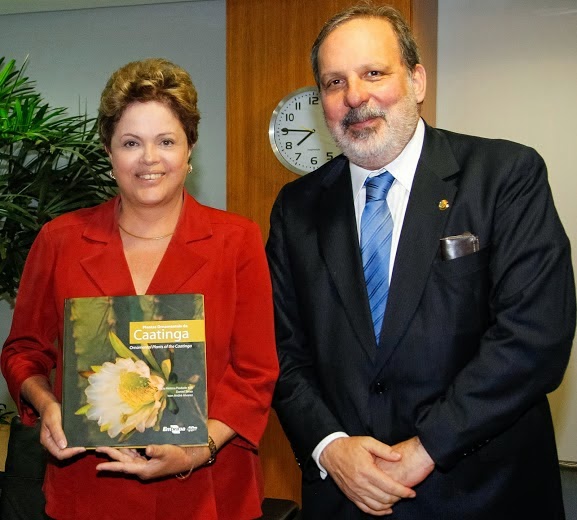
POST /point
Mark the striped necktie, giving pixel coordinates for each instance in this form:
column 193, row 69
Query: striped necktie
column 376, row 238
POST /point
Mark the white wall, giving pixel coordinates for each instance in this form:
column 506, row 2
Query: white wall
column 72, row 54
column 5, row 321
column 508, row 68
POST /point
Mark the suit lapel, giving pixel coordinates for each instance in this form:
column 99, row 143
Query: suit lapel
column 338, row 243
column 107, row 266
column 419, row 242
column 183, row 257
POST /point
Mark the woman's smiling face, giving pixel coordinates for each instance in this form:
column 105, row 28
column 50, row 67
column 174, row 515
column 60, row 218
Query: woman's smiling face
column 149, row 152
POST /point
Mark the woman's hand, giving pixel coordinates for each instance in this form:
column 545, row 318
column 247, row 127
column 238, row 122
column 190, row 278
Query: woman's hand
column 37, row 391
column 51, row 434
column 160, row 460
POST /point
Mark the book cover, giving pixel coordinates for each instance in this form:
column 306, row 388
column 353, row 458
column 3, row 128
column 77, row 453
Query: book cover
column 134, row 371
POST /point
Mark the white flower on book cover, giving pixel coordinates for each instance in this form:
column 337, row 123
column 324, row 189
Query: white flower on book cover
column 124, row 396
column 130, row 394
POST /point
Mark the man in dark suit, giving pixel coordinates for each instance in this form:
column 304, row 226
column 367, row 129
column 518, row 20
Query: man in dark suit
column 438, row 409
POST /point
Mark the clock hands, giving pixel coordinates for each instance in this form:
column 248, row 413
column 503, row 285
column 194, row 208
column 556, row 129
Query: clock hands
column 311, row 132
column 308, row 132
column 286, row 130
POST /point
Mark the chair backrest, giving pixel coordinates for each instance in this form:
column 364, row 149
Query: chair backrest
column 21, row 497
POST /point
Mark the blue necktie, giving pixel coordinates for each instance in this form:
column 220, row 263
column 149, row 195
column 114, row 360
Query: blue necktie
column 376, row 238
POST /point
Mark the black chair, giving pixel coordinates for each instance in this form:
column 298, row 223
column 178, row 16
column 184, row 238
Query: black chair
column 279, row 509
column 21, row 496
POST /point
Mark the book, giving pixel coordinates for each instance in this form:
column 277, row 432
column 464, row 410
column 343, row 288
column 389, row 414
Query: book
column 134, row 371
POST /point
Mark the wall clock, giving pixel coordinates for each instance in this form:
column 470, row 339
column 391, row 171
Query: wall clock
column 298, row 133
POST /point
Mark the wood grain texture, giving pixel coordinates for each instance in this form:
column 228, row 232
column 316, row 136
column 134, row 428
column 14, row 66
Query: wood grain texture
column 268, row 47
column 424, row 22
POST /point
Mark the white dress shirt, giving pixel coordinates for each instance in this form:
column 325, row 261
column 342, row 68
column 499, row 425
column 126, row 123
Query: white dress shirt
column 403, row 170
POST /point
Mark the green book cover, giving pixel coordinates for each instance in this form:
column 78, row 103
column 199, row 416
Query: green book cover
column 134, row 371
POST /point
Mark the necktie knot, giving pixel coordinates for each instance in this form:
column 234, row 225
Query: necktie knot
column 377, row 187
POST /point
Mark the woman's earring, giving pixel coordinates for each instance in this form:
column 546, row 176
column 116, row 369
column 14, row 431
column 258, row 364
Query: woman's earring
column 111, row 173
column 189, row 170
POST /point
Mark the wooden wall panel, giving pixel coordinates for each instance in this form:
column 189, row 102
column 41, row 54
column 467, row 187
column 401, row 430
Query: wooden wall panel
column 423, row 21
column 268, row 46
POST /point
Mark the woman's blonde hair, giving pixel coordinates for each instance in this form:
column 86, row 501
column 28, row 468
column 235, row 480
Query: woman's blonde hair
column 152, row 79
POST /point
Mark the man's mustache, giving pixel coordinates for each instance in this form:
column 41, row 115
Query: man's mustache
column 360, row 114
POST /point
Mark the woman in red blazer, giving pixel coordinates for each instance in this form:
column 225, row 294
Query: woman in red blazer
column 153, row 238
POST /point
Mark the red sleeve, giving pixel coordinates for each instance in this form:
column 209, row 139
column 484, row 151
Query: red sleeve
column 243, row 396
column 30, row 349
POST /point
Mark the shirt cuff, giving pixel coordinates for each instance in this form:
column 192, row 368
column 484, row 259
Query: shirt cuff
column 321, row 446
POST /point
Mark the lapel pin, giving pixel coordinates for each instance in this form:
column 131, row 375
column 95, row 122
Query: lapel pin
column 443, row 205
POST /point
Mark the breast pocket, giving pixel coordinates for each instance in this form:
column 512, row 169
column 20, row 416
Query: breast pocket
column 458, row 294
column 463, row 266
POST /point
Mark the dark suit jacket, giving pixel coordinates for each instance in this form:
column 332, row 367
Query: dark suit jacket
column 469, row 347
column 212, row 252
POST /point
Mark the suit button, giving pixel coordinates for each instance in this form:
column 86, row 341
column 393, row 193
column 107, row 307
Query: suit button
column 379, row 388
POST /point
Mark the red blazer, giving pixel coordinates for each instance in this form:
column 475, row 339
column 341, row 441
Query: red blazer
column 212, row 252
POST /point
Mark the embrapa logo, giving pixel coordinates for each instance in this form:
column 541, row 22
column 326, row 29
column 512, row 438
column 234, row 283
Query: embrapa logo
column 175, row 429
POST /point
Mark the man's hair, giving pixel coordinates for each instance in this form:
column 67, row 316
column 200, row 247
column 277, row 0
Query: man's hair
column 152, row 79
column 407, row 44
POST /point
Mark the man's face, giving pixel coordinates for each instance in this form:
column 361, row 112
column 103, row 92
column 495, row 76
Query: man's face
column 369, row 97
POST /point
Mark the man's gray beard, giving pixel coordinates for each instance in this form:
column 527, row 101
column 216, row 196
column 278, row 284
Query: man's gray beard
column 369, row 147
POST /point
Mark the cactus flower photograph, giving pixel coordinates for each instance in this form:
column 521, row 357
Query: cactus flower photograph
column 124, row 396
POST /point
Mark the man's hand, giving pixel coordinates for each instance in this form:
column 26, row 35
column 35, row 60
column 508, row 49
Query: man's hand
column 351, row 462
column 414, row 466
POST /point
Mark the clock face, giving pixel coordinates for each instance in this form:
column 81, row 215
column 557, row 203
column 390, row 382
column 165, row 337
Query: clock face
column 298, row 133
